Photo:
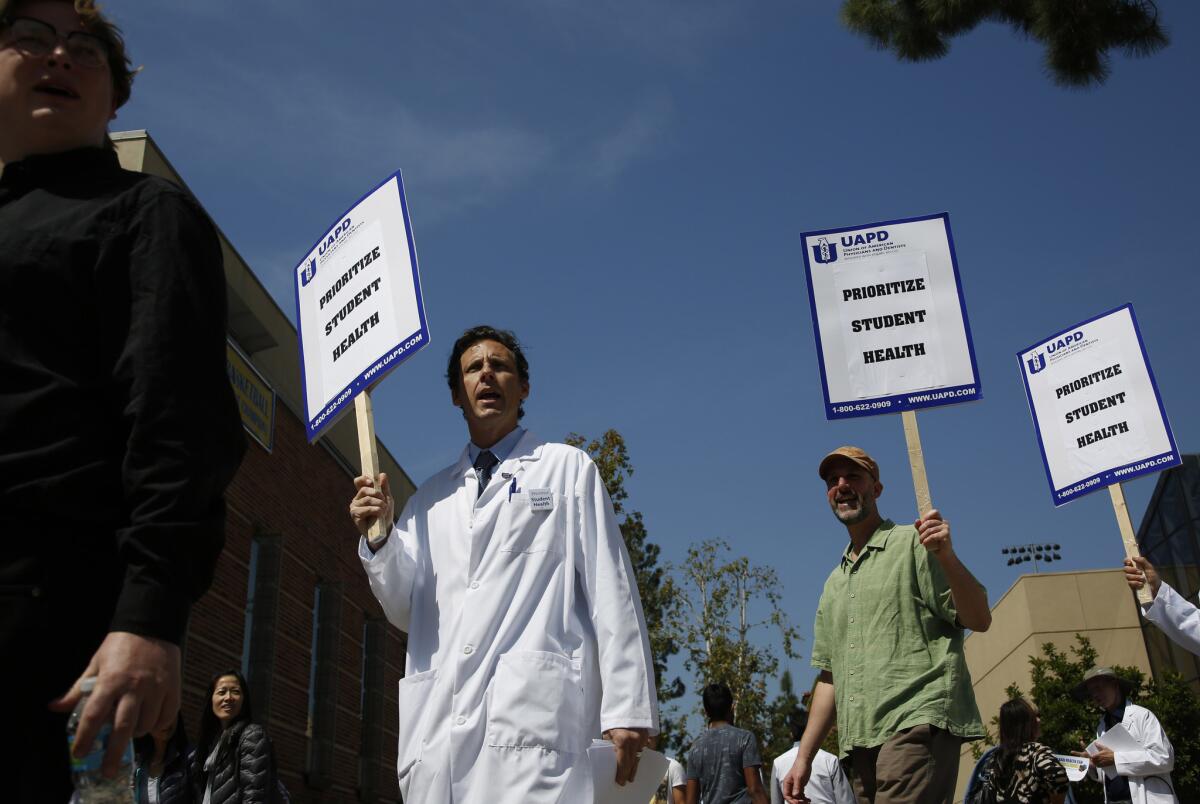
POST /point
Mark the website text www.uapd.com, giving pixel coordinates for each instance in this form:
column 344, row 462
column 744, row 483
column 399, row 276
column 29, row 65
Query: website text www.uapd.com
column 392, row 355
column 372, row 371
column 936, row 395
column 1137, row 467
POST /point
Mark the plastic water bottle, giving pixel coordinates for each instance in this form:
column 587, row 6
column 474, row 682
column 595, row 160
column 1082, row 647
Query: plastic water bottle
column 91, row 787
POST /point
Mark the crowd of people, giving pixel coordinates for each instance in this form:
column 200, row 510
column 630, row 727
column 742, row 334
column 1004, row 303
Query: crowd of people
column 507, row 569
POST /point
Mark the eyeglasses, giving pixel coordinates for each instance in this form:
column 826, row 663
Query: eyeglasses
column 37, row 38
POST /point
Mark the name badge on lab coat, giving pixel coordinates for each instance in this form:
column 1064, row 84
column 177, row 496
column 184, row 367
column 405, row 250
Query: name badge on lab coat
column 541, row 500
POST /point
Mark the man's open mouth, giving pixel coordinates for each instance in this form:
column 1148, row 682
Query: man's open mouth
column 57, row 90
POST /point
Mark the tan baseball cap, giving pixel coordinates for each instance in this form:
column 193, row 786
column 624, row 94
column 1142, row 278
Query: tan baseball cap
column 855, row 454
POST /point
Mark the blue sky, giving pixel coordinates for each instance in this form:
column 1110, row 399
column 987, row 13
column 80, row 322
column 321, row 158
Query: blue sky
column 625, row 184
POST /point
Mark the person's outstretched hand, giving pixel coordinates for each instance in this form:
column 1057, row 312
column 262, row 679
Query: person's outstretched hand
column 137, row 689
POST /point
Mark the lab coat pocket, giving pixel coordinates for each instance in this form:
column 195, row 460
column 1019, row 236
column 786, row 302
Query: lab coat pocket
column 416, row 699
column 530, row 529
column 536, row 701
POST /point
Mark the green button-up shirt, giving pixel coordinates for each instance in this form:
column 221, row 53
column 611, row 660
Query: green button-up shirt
column 887, row 630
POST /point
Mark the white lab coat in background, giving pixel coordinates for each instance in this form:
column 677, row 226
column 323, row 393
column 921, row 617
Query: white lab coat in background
column 1175, row 617
column 827, row 784
column 526, row 637
column 1148, row 770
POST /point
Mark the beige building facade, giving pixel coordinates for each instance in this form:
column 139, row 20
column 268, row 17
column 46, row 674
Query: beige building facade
column 1050, row 607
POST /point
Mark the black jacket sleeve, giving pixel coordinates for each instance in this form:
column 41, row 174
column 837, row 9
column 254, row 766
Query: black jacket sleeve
column 182, row 438
column 256, row 765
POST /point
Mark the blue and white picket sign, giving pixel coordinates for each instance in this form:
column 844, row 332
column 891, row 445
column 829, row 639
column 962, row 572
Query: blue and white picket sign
column 889, row 317
column 1096, row 409
column 358, row 304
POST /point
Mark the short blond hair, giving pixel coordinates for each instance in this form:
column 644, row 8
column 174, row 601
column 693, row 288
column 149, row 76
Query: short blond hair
column 120, row 68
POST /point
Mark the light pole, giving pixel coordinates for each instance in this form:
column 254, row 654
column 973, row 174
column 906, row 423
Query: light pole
column 1020, row 553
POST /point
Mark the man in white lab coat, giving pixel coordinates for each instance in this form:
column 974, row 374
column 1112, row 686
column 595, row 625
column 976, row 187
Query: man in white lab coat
column 526, row 637
column 1174, row 615
column 1142, row 775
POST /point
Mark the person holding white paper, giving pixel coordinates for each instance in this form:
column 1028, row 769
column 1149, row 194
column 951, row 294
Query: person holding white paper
column 1141, row 774
column 1174, row 615
column 526, row 637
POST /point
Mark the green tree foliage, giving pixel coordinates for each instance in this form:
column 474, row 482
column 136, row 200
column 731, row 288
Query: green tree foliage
column 611, row 457
column 1068, row 725
column 1077, row 35
column 783, row 709
column 717, row 606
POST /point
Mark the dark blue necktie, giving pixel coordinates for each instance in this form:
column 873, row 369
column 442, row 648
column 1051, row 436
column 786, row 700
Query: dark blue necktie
column 484, row 464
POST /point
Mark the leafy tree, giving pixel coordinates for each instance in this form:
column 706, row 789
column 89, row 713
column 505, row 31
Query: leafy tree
column 1067, row 724
column 783, row 708
column 715, row 605
column 611, row 457
column 1077, row 35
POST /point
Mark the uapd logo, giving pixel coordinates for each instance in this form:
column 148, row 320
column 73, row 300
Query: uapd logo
column 307, row 273
column 334, row 235
column 1036, row 363
column 824, row 251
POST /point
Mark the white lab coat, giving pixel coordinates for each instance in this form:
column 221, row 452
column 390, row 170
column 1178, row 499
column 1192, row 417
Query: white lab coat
column 827, row 784
column 1175, row 617
column 1149, row 770
column 526, row 636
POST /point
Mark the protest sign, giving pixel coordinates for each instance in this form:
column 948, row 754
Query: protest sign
column 890, row 324
column 358, row 304
column 1095, row 406
column 1097, row 413
column 889, row 317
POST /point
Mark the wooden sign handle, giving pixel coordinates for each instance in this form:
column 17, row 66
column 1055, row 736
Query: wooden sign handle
column 1128, row 538
column 916, row 461
column 368, row 451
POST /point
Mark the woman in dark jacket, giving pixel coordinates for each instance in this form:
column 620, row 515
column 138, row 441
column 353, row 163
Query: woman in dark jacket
column 160, row 767
column 234, row 762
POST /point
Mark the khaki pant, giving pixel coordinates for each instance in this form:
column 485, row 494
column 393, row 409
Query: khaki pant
column 918, row 765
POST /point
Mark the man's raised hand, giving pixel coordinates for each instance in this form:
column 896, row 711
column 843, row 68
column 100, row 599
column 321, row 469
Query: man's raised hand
column 1139, row 572
column 934, row 532
column 371, row 502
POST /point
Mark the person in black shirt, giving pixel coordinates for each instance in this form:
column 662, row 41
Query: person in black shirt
column 118, row 429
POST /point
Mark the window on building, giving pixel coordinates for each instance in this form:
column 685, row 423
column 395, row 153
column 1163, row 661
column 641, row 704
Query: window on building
column 371, row 706
column 262, row 606
column 322, row 682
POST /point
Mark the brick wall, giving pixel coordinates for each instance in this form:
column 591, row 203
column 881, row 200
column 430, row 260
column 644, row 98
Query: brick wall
column 301, row 493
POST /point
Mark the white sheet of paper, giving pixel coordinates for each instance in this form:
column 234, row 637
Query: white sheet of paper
column 1076, row 767
column 603, row 758
column 1115, row 739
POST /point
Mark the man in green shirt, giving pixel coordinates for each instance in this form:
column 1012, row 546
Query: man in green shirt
column 888, row 640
